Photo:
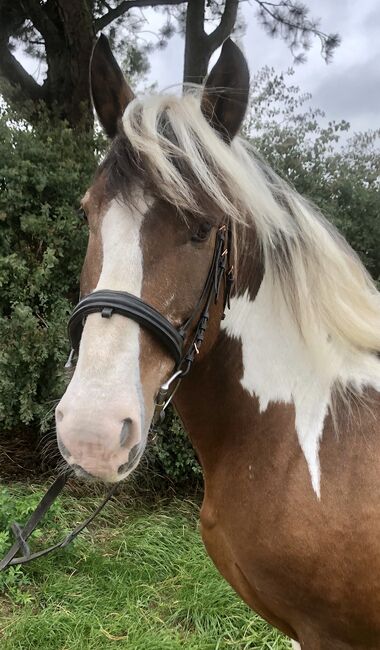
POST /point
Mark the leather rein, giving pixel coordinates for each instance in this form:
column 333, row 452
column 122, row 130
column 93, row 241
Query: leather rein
column 183, row 344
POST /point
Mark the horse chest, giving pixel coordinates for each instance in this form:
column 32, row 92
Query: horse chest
column 283, row 550
column 227, row 555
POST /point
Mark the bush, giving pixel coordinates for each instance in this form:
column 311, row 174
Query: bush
column 171, row 454
column 43, row 173
column 340, row 174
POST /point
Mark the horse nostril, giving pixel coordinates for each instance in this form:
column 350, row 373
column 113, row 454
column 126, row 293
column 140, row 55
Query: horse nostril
column 59, row 415
column 125, row 431
column 123, row 468
column 131, row 458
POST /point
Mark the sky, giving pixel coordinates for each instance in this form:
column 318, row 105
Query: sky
column 348, row 88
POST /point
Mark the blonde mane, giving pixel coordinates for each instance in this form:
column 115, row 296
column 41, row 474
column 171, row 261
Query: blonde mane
column 310, row 266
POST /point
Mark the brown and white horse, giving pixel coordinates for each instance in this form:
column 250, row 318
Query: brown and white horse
column 283, row 403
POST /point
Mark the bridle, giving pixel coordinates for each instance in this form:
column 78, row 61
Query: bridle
column 183, row 345
column 109, row 302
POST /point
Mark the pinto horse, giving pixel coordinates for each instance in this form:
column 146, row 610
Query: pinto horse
column 282, row 403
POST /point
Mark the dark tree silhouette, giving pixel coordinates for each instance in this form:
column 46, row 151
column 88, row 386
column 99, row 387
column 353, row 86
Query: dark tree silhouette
column 61, row 33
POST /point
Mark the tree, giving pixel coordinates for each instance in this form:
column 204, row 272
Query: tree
column 62, row 32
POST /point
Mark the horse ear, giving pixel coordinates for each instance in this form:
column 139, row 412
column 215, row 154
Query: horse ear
column 225, row 96
column 109, row 90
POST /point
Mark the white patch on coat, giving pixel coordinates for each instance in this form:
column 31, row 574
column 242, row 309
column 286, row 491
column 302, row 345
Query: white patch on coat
column 280, row 366
column 295, row 645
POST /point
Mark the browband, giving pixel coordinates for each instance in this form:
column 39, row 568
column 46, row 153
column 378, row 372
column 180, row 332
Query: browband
column 109, row 302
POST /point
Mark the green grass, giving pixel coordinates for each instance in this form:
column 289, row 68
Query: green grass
column 139, row 579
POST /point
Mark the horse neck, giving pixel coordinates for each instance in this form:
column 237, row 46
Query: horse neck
column 260, row 362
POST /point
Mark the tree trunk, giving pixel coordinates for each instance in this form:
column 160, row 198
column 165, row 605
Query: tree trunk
column 200, row 46
column 197, row 54
column 67, row 85
column 67, row 29
column 196, row 63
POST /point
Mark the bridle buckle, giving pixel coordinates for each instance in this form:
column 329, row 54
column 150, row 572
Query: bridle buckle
column 162, row 399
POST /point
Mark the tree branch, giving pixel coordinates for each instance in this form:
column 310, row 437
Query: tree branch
column 289, row 23
column 298, row 26
column 195, row 22
column 102, row 22
column 226, row 25
column 17, row 76
column 41, row 19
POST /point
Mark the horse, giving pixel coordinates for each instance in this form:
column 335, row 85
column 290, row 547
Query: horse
column 282, row 402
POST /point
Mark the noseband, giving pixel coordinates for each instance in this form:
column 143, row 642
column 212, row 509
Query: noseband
column 108, row 302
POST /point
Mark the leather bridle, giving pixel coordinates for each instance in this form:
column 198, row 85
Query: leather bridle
column 183, row 345
column 109, row 302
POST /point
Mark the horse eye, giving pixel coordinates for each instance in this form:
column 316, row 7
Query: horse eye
column 82, row 214
column 202, row 232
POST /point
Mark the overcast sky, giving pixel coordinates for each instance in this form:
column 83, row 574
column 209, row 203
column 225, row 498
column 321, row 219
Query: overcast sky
column 348, row 88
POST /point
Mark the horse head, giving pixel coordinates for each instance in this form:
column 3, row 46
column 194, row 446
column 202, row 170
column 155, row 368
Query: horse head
column 153, row 234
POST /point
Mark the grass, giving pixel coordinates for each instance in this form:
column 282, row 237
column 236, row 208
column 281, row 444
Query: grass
column 139, row 579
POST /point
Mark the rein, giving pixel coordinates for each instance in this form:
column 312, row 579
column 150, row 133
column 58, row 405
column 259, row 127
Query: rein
column 22, row 534
column 109, row 302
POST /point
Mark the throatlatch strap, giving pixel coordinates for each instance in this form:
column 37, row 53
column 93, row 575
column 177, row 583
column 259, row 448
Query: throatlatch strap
column 109, row 302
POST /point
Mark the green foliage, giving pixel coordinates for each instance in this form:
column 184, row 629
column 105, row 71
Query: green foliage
column 140, row 580
column 43, row 173
column 171, row 455
column 340, row 174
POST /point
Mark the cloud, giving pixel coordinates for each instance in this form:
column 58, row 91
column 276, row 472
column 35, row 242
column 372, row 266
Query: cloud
column 348, row 88
column 352, row 92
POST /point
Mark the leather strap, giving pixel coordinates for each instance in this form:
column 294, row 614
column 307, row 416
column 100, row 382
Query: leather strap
column 109, row 302
column 22, row 534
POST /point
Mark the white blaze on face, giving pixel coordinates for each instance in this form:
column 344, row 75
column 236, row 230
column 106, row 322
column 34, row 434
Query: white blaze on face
column 109, row 348
column 279, row 366
column 105, row 390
